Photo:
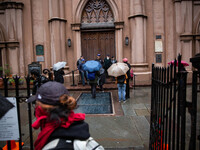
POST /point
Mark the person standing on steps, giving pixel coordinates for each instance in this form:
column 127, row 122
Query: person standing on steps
column 107, row 64
column 125, row 60
column 121, row 85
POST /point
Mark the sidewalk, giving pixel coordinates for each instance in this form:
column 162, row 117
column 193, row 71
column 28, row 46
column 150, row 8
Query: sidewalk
column 128, row 127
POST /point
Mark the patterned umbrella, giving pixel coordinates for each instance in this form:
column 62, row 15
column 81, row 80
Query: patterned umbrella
column 118, row 69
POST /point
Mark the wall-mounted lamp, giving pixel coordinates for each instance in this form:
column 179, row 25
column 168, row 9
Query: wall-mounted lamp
column 69, row 42
column 126, row 40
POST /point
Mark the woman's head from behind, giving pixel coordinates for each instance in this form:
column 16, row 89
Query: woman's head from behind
column 52, row 98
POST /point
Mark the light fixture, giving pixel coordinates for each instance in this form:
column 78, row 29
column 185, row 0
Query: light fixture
column 126, row 40
column 69, row 42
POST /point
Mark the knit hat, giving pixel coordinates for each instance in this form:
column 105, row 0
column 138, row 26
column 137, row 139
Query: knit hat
column 125, row 60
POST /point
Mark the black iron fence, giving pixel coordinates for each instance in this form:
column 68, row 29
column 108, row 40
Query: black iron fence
column 21, row 98
column 169, row 106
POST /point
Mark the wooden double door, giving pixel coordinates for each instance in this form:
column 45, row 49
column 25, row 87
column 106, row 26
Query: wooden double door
column 97, row 42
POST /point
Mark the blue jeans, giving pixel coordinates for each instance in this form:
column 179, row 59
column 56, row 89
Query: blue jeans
column 121, row 91
column 82, row 77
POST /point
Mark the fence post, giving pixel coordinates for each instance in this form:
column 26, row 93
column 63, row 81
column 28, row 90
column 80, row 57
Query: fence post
column 192, row 107
column 29, row 112
column 73, row 78
column 16, row 78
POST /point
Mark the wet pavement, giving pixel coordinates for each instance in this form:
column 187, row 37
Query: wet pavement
column 127, row 128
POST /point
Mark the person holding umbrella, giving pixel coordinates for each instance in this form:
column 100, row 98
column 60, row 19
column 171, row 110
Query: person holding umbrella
column 58, row 69
column 119, row 70
column 93, row 68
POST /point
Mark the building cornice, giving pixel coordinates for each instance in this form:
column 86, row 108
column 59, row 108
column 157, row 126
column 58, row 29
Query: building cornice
column 119, row 25
column 11, row 5
column 9, row 44
column 76, row 26
column 57, row 19
column 138, row 15
column 189, row 37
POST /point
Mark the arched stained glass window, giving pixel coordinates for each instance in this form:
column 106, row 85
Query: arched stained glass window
column 97, row 13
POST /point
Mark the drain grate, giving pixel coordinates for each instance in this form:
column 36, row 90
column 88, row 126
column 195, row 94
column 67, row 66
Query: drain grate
column 100, row 105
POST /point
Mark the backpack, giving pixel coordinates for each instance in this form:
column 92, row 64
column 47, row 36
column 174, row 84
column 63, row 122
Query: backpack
column 131, row 73
column 58, row 144
column 91, row 75
column 121, row 79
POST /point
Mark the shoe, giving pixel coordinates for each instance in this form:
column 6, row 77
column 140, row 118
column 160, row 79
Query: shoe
column 124, row 101
column 119, row 101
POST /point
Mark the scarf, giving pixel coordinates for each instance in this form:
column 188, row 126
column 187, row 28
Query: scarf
column 48, row 127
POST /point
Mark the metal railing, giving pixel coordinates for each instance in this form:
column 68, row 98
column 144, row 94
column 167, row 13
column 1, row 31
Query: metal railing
column 22, row 99
column 168, row 108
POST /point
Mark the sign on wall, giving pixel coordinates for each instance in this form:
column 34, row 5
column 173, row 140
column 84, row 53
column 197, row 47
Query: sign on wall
column 158, row 58
column 9, row 120
column 39, row 50
column 158, row 46
column 36, row 66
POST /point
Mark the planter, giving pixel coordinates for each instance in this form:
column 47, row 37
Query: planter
column 1, row 83
column 13, row 83
column 21, row 82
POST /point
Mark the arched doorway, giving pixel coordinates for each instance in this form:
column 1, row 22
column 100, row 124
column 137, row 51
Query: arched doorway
column 97, row 30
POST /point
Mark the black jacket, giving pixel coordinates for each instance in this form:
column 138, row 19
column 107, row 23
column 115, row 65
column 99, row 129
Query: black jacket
column 59, row 76
column 78, row 130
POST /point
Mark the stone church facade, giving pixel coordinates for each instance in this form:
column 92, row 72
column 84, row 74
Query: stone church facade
column 144, row 31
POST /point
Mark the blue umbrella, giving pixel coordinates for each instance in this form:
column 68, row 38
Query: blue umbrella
column 91, row 66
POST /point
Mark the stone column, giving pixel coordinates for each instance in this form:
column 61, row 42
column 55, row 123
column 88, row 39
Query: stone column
column 57, row 30
column 119, row 42
column 14, row 43
column 184, row 33
column 138, row 33
column 119, row 48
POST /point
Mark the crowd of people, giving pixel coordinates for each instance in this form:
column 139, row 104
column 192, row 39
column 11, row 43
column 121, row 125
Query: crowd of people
column 54, row 107
column 100, row 77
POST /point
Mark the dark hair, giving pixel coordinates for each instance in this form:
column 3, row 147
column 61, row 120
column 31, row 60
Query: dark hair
column 35, row 72
column 67, row 103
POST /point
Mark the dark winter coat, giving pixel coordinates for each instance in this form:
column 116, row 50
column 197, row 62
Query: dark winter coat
column 107, row 63
column 58, row 76
column 97, row 74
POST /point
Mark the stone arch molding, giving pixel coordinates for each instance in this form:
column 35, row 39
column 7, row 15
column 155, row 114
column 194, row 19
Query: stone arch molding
column 2, row 34
column 82, row 4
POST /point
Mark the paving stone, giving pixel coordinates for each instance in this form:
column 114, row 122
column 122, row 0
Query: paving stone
column 139, row 106
column 142, row 126
column 128, row 110
column 114, row 131
column 142, row 112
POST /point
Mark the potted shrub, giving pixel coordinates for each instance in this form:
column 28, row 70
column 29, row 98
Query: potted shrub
column 6, row 70
column 21, row 81
column 11, row 81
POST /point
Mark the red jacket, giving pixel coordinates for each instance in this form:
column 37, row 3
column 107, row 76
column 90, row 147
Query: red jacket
column 49, row 127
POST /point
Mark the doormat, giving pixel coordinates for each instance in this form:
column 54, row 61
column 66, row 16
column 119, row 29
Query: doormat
column 102, row 104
